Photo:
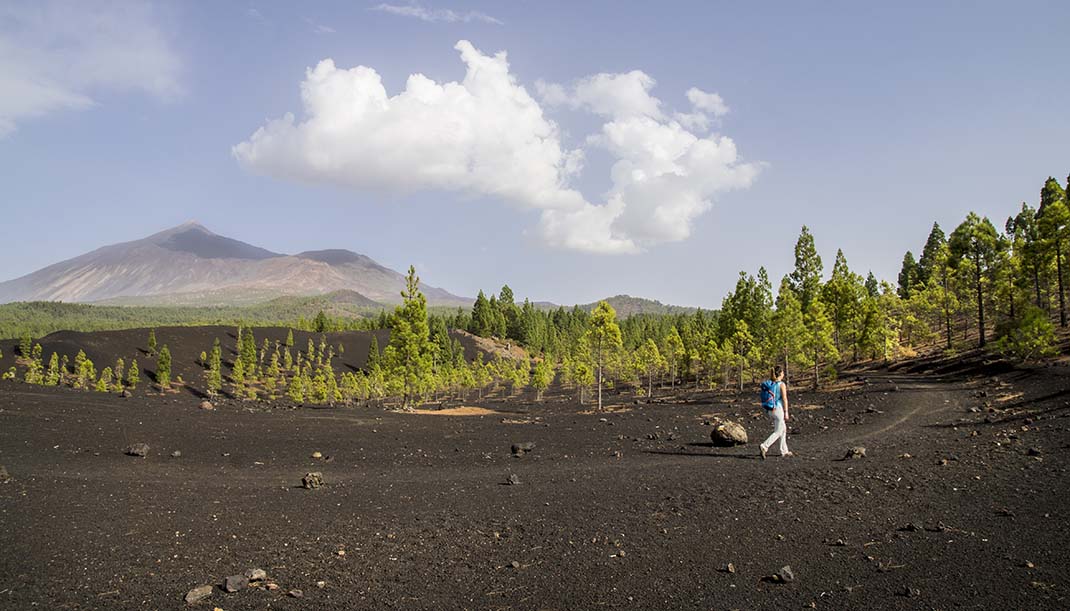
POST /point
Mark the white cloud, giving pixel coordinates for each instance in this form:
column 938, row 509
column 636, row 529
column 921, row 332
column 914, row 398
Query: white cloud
column 56, row 55
column 319, row 28
column 609, row 95
column 707, row 102
column 427, row 14
column 487, row 136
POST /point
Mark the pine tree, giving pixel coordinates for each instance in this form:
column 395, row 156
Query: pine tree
column 788, row 328
column 806, row 278
column 604, row 339
column 927, row 263
column 104, row 383
column 133, row 375
column 1053, row 220
column 163, row 368
column 321, row 324
column 247, row 352
column 120, row 369
column 214, row 375
column 289, row 338
column 674, row 347
column 52, row 379
column 152, row 342
column 908, row 275
column 410, row 343
column 975, row 247
column 651, row 362
column 481, row 317
column 25, row 346
column 819, row 345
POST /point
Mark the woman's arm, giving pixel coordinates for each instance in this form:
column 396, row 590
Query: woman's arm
column 784, row 395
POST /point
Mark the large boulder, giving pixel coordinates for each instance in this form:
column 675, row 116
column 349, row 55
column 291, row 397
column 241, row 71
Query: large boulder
column 728, row 433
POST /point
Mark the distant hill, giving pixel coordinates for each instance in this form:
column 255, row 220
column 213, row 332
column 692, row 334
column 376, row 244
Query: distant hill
column 190, row 265
column 626, row 306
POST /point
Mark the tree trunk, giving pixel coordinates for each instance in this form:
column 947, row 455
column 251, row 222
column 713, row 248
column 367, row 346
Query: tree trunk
column 1059, row 273
column 787, row 378
column 741, row 374
column 599, row 387
column 816, row 379
column 649, row 387
column 1036, row 282
column 947, row 310
column 980, row 302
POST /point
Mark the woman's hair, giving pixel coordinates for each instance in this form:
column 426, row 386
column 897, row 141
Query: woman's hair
column 777, row 372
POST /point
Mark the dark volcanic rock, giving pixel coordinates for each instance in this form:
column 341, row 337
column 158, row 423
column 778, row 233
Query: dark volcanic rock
column 235, row 583
column 295, row 594
column 519, row 449
column 256, row 574
column 513, row 480
column 728, row 433
column 138, row 449
column 855, row 452
column 312, row 480
column 785, row 574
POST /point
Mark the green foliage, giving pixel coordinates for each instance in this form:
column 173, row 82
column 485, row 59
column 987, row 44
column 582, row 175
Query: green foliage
column 163, row 368
column 806, row 278
column 152, row 342
column 409, row 353
column 1032, row 336
column 133, row 375
column 604, row 339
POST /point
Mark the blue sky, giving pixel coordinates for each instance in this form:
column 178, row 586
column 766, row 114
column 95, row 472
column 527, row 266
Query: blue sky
column 866, row 123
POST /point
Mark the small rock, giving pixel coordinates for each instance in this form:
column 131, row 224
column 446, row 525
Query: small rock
column 198, row 594
column 271, row 585
column 5, row 477
column 785, row 574
column 905, row 456
column 176, row 454
column 256, row 574
column 235, row 583
column 340, row 552
column 138, row 449
column 519, row 449
column 1034, row 452
column 909, row 592
column 125, row 393
column 513, row 480
column 729, row 568
column 514, row 564
column 295, row 593
column 912, row 527
column 321, row 584
column 855, row 452
column 317, row 455
column 728, row 433
column 1029, row 565
column 312, row 480
column 206, row 405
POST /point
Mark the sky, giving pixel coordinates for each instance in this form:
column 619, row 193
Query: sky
column 571, row 150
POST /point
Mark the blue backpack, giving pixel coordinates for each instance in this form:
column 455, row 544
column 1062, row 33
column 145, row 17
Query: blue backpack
column 768, row 394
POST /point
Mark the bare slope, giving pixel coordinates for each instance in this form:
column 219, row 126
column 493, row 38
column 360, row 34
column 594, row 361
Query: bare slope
column 189, row 265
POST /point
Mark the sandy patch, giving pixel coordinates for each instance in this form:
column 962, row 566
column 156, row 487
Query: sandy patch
column 454, row 411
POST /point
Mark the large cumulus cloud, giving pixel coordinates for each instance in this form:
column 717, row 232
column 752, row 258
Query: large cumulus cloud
column 487, row 135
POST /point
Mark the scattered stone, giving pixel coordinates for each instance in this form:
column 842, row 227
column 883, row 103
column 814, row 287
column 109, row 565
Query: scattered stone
column 176, row 454
column 271, row 585
column 1029, row 565
column 785, row 574
column 520, row 449
column 1034, row 452
column 256, row 574
column 909, row 592
column 206, row 404
column 340, row 552
column 295, row 594
column 5, row 477
column 729, row 568
column 321, row 584
column 894, row 388
column 855, row 452
column 905, row 456
column 198, row 594
column 728, row 433
column 513, row 480
column 912, row 527
column 312, row 480
column 317, row 455
column 942, row 462
column 125, row 394
column 235, row 583
column 514, row 564
column 138, row 449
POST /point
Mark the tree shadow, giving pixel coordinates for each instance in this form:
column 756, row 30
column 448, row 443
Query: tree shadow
column 704, row 454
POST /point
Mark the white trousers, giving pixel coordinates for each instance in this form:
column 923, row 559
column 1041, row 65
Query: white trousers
column 780, row 430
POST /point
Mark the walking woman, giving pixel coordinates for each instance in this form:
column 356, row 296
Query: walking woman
column 779, row 413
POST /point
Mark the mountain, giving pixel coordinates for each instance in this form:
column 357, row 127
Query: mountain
column 190, row 265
